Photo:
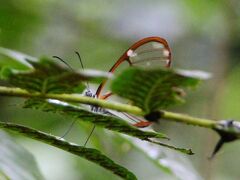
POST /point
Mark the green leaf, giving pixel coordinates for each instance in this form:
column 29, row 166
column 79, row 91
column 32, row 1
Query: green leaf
column 153, row 89
column 108, row 122
column 18, row 57
column 182, row 150
column 49, row 77
column 90, row 154
column 16, row 162
column 168, row 161
column 5, row 72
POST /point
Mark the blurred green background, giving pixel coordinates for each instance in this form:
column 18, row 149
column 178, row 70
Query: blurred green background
column 202, row 34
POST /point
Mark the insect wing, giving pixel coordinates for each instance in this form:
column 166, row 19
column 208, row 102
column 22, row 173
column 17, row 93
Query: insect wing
column 150, row 54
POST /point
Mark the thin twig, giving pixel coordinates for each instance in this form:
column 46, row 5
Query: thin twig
column 181, row 118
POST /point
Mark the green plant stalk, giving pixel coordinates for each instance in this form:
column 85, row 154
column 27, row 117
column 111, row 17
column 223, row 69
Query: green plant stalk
column 181, row 118
column 17, row 92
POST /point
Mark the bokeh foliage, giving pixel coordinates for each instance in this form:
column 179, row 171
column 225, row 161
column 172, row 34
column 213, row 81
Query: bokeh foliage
column 206, row 37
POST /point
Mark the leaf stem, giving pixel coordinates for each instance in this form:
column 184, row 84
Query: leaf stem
column 181, row 118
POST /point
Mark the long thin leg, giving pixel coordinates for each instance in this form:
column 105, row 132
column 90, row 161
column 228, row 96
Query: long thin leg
column 80, row 59
column 94, row 126
column 63, row 61
column 69, row 129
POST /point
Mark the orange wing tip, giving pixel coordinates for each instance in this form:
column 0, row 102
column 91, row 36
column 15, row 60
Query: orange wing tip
column 106, row 96
column 142, row 124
